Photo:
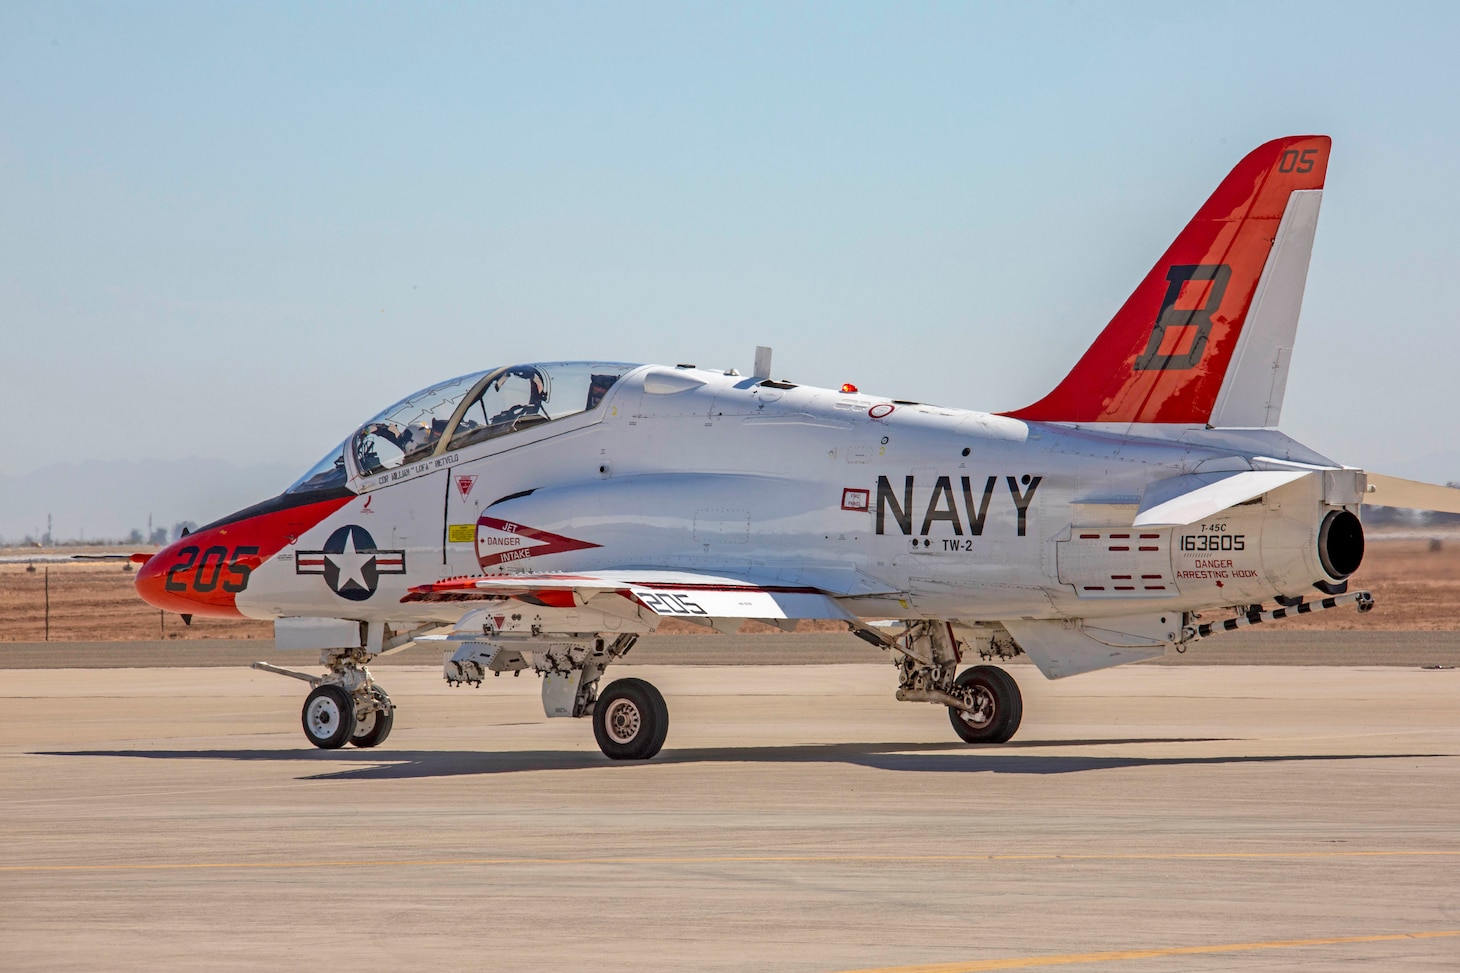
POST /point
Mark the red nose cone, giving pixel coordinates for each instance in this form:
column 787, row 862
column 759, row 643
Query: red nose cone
column 205, row 572
column 201, row 574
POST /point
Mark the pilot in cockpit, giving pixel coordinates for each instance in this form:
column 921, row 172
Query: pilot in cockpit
column 413, row 440
column 388, row 431
column 417, row 438
column 534, row 408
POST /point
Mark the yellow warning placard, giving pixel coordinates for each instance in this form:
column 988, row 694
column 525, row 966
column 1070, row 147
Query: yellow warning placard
column 461, row 533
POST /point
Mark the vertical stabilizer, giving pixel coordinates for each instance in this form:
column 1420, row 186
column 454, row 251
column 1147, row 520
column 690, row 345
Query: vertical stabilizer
column 1207, row 335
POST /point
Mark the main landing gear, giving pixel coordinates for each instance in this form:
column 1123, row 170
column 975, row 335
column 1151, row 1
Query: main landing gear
column 994, row 706
column 984, row 703
column 630, row 718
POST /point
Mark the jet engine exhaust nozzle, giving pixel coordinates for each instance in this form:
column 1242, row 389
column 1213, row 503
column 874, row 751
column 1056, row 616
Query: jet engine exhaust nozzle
column 1340, row 544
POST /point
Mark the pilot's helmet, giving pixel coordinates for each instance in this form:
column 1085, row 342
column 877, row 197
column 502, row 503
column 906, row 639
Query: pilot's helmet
column 417, row 435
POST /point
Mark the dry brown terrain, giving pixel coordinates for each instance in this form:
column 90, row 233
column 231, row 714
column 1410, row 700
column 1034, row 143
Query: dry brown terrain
column 1416, row 588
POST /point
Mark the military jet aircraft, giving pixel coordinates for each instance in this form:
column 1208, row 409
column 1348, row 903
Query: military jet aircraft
column 546, row 515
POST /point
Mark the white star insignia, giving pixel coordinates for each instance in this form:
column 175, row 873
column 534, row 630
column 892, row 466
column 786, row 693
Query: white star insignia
column 350, row 563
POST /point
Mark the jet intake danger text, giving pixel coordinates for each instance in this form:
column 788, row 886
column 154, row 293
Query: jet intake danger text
column 943, row 504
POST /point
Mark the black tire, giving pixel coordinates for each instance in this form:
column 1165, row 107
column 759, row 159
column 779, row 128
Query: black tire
column 373, row 727
column 997, row 719
column 328, row 717
column 630, row 720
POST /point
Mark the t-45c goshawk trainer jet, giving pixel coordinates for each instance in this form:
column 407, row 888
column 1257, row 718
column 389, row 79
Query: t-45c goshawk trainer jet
column 544, row 516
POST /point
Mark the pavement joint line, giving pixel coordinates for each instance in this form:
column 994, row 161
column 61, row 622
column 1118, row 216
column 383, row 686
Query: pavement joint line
column 1070, row 959
column 736, row 859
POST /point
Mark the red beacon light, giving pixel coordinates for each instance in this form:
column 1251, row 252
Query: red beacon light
column 848, row 387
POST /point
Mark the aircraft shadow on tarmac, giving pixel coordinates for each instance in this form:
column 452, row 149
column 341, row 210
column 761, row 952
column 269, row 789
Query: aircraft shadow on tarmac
column 935, row 758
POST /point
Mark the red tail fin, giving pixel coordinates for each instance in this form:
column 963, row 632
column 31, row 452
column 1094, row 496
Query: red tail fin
column 1164, row 355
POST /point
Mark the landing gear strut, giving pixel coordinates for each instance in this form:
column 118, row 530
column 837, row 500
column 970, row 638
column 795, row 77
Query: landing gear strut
column 373, row 723
column 984, row 704
column 345, row 705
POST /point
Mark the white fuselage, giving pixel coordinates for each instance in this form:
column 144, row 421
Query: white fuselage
column 904, row 510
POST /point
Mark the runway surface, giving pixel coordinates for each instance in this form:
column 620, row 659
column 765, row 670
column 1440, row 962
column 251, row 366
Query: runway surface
column 1145, row 819
column 1249, row 647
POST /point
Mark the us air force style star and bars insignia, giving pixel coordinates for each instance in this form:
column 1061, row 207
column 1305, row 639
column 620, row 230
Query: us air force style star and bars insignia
column 351, row 563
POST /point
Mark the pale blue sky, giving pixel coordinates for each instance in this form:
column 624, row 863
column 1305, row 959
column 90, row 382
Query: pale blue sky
column 236, row 230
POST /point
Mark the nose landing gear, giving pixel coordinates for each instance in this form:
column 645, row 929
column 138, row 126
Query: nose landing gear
column 328, row 717
column 345, row 706
column 373, row 720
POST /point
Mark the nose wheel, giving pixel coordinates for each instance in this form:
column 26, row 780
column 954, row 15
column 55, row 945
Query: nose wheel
column 328, row 717
column 630, row 720
column 332, row 718
column 373, row 723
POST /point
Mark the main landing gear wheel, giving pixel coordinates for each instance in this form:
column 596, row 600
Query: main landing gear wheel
column 998, row 707
column 371, row 728
column 328, row 717
column 630, row 720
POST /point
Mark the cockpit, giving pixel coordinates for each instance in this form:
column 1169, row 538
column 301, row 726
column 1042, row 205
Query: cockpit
column 463, row 411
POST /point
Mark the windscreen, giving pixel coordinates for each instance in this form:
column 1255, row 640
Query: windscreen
column 328, row 474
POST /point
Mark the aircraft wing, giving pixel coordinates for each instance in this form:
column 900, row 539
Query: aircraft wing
column 677, row 594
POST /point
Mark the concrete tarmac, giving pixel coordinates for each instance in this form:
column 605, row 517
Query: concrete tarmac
column 1145, row 819
column 1250, row 647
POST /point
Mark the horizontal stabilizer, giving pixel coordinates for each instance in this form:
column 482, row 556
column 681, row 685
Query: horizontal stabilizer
column 1392, row 491
column 1187, row 499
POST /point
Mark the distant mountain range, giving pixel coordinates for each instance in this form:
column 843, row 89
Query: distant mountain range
column 97, row 499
